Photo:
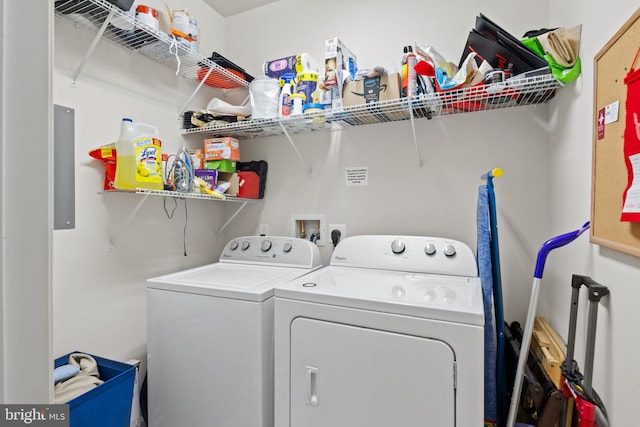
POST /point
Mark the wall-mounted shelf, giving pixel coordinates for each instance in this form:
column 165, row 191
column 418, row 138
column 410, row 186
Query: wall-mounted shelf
column 147, row 192
column 515, row 92
column 110, row 23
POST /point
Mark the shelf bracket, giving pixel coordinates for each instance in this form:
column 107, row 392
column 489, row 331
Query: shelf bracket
column 93, row 45
column 415, row 138
column 195, row 91
column 133, row 213
column 293, row 145
column 231, row 218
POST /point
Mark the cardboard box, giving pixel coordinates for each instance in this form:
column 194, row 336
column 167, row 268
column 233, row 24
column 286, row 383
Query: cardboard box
column 225, row 148
column 340, row 66
column 233, row 179
column 221, row 165
column 368, row 90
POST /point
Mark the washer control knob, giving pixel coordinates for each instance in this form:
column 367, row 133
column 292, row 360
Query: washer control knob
column 430, row 249
column 265, row 245
column 245, row 245
column 398, row 246
column 449, row 250
column 233, row 246
column 286, row 248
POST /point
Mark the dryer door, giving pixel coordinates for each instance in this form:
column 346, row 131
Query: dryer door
column 349, row 376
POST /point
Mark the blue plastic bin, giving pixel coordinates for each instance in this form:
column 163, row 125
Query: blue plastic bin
column 109, row 404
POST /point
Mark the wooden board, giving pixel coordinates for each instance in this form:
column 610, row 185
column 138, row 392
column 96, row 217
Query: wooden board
column 549, row 349
column 609, row 178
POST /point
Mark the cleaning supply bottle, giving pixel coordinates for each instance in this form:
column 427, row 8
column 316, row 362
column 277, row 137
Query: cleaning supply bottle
column 286, row 103
column 138, row 157
column 404, row 73
column 409, row 77
column 412, row 80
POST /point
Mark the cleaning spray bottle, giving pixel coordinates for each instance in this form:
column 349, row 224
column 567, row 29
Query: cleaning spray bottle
column 138, row 157
column 412, row 81
column 287, row 81
column 409, row 77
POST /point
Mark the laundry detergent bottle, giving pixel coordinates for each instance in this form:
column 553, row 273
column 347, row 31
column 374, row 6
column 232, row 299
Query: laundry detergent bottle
column 138, row 157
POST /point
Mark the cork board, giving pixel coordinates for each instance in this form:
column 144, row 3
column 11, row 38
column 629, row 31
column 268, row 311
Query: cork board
column 609, row 178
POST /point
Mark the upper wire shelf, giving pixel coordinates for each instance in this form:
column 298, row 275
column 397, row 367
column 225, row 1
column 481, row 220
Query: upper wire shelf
column 514, row 92
column 125, row 30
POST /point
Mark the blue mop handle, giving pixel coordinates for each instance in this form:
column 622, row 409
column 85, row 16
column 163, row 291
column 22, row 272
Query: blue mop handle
column 553, row 243
column 495, row 172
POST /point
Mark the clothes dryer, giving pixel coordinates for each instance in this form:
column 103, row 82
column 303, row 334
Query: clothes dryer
column 389, row 334
column 210, row 334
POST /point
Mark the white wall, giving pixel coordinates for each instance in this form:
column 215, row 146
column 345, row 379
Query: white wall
column 546, row 158
column 617, row 375
column 26, row 208
column 440, row 198
column 544, row 151
column 98, row 298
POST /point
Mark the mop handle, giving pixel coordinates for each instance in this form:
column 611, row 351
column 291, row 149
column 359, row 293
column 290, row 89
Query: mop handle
column 554, row 243
column 547, row 247
column 493, row 172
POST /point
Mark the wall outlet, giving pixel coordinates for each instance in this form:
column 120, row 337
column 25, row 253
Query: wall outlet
column 342, row 228
column 263, row 230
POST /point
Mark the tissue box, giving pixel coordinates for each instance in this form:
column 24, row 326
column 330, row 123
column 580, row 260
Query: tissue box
column 340, row 66
column 208, row 175
column 108, row 404
column 225, row 148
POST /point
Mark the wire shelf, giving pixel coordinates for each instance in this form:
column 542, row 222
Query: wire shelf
column 514, row 92
column 183, row 195
column 124, row 30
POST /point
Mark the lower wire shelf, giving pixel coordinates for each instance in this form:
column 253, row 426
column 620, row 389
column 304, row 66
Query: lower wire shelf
column 180, row 195
column 191, row 195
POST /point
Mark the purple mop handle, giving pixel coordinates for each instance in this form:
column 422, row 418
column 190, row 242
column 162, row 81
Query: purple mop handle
column 553, row 243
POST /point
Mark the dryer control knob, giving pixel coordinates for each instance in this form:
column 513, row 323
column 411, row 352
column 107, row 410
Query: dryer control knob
column 398, row 246
column 430, row 249
column 286, row 248
column 449, row 250
column 245, row 245
column 265, row 246
column 233, row 246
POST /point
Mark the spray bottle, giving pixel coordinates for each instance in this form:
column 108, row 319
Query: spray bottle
column 286, row 81
column 409, row 77
column 412, row 80
column 138, row 157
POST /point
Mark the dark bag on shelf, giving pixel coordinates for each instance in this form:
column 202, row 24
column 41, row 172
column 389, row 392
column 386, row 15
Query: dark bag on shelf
column 253, row 177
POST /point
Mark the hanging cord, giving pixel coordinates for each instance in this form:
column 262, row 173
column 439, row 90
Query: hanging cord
column 166, row 211
column 172, row 46
column 186, row 219
column 179, row 175
column 184, row 230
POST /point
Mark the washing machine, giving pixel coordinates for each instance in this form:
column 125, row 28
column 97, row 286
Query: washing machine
column 390, row 333
column 210, row 334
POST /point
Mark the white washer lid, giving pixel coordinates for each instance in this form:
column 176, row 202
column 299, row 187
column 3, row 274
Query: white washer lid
column 228, row 280
column 439, row 297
